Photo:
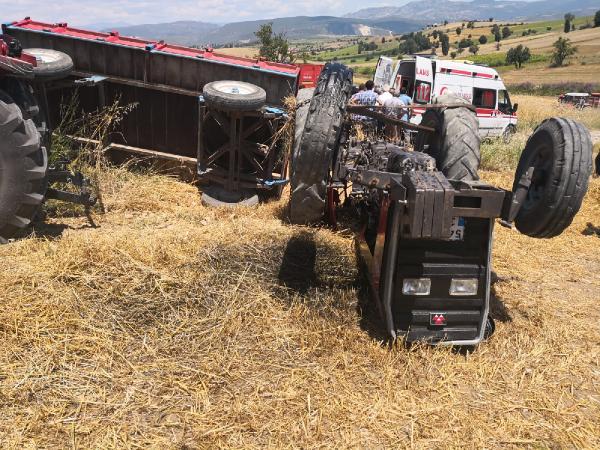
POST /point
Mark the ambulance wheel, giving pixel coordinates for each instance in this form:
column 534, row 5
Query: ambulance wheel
column 508, row 133
column 455, row 142
column 312, row 159
column 560, row 152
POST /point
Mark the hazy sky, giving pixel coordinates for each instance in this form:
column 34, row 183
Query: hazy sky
column 85, row 12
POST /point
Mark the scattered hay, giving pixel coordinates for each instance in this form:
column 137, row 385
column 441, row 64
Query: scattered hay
column 172, row 325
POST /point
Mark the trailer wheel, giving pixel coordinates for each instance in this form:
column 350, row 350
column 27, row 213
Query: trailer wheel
column 23, row 169
column 560, row 152
column 217, row 197
column 314, row 150
column 234, row 95
column 51, row 64
column 455, row 143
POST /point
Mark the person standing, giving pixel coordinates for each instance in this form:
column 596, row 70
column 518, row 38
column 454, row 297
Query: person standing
column 368, row 97
column 407, row 101
column 385, row 96
column 394, row 107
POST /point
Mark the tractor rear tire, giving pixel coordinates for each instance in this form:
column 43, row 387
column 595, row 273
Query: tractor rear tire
column 560, row 151
column 313, row 153
column 303, row 100
column 455, row 143
column 23, row 169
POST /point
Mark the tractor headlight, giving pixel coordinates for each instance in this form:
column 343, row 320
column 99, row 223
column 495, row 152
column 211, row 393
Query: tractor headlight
column 416, row 286
column 465, row 286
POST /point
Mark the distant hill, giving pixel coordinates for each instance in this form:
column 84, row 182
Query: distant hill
column 201, row 33
column 183, row 32
column 440, row 10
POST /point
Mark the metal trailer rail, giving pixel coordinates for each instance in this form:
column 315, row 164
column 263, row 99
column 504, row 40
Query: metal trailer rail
column 165, row 81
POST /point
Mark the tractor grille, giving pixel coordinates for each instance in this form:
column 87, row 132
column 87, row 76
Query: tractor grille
column 462, row 317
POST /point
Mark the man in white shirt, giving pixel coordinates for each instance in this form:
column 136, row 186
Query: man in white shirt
column 385, row 96
column 394, row 107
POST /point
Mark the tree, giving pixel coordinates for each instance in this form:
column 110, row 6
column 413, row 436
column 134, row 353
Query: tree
column 435, row 34
column 506, row 32
column 563, row 48
column 474, row 49
column 597, row 19
column 465, row 43
column 453, row 55
column 482, row 39
column 458, row 31
column 445, row 40
column 491, row 19
column 445, row 22
column 383, row 40
column 518, row 55
column 273, row 47
column 497, row 36
column 568, row 19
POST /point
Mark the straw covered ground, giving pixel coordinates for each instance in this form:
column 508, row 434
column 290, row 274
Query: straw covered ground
column 170, row 325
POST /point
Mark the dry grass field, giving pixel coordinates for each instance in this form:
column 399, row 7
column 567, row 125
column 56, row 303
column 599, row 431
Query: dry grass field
column 543, row 74
column 587, row 42
column 170, row 325
column 244, row 52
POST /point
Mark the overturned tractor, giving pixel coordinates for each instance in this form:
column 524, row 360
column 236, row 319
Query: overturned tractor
column 427, row 221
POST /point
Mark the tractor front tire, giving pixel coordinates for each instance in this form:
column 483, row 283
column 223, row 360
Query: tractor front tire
column 455, row 143
column 560, row 152
column 23, row 169
column 314, row 149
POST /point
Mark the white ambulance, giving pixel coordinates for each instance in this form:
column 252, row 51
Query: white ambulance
column 425, row 78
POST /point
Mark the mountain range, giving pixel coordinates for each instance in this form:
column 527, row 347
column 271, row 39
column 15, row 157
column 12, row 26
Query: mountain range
column 196, row 33
column 433, row 11
column 380, row 21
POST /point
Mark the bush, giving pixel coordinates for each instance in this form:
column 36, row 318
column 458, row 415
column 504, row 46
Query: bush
column 482, row 39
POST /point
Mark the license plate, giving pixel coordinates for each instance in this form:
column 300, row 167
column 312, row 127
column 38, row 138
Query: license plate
column 457, row 230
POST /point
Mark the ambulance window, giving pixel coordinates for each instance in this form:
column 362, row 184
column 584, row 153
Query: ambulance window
column 484, row 98
column 422, row 92
column 504, row 102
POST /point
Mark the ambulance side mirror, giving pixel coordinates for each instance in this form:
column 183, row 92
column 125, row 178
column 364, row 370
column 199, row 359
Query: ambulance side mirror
column 515, row 107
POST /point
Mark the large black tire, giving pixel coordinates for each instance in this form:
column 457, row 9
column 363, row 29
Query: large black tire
column 234, row 95
column 51, row 64
column 313, row 154
column 455, row 144
column 303, row 100
column 560, row 151
column 23, row 169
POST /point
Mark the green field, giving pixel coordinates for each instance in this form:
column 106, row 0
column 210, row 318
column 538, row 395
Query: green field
column 539, row 40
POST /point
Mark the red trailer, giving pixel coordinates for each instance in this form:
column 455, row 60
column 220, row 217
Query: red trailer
column 309, row 74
